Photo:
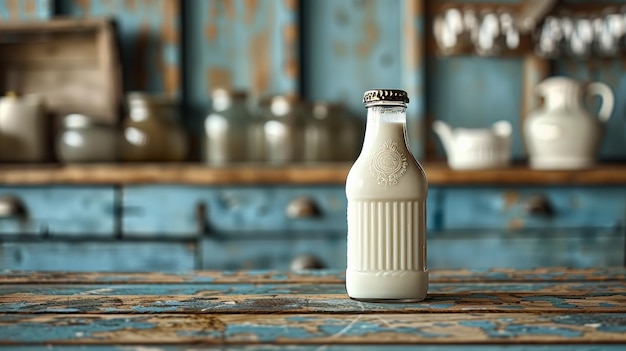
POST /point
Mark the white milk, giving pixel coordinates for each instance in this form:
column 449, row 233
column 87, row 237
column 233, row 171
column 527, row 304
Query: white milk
column 386, row 190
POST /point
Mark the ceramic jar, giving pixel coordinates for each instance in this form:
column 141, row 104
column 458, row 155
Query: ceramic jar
column 23, row 127
column 563, row 134
column 476, row 148
column 330, row 135
column 226, row 128
column 151, row 132
column 283, row 124
column 321, row 132
column 83, row 139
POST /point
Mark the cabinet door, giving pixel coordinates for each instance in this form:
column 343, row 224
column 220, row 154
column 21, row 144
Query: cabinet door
column 57, row 211
column 529, row 227
column 176, row 210
column 274, row 252
column 117, row 256
column 580, row 248
column 533, row 207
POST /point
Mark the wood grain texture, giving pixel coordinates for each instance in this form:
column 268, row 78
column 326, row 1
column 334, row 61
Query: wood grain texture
column 547, row 274
column 548, row 306
column 441, row 328
column 437, row 173
column 60, row 210
column 321, row 302
column 222, row 290
column 326, row 347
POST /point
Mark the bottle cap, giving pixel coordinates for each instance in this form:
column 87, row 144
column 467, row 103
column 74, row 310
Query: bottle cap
column 385, row 95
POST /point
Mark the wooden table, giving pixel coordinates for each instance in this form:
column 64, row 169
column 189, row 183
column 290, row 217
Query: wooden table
column 542, row 309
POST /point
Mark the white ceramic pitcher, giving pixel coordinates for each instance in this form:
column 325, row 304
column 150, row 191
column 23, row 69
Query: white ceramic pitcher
column 476, row 148
column 563, row 134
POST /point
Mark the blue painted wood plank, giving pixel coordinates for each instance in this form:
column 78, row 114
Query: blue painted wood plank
column 149, row 35
column 507, row 208
column 381, row 329
column 200, row 289
column 257, row 211
column 326, row 347
column 98, row 256
column 172, row 210
column 350, row 47
column 273, row 254
column 312, row 298
column 25, row 10
column 62, row 210
column 543, row 274
column 526, row 249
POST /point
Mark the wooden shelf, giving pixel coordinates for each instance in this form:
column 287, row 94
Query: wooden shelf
column 438, row 173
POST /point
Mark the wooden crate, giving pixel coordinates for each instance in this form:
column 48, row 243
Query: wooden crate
column 74, row 64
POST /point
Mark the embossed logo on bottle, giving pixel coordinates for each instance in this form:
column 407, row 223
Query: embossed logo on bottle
column 388, row 164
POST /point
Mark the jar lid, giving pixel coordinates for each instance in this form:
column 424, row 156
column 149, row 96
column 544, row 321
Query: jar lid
column 385, row 95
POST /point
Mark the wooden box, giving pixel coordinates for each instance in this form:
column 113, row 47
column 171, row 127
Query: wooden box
column 73, row 63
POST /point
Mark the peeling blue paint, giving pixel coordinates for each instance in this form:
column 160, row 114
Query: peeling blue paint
column 260, row 347
column 70, row 329
column 154, row 309
column 361, row 328
column 554, row 301
column 564, row 332
column 267, row 333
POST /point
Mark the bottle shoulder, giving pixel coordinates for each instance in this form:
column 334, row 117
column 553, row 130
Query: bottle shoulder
column 371, row 178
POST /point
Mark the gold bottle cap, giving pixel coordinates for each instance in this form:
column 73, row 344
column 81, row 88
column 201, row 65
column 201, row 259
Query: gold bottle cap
column 390, row 95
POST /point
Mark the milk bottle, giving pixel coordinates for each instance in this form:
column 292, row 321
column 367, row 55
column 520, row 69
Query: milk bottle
column 386, row 190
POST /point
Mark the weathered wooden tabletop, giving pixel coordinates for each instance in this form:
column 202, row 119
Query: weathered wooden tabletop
column 542, row 309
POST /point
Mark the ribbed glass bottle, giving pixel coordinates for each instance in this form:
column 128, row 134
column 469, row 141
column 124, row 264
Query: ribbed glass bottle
column 386, row 190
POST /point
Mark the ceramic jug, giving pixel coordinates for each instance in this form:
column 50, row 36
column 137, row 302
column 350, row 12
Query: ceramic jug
column 476, row 148
column 563, row 134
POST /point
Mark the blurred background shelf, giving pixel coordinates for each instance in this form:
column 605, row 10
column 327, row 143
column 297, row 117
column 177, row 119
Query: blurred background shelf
column 250, row 174
column 173, row 217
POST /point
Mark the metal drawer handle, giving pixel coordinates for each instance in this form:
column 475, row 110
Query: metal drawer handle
column 539, row 205
column 302, row 207
column 304, row 262
column 12, row 207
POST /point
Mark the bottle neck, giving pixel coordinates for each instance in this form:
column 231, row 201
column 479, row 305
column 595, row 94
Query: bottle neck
column 385, row 122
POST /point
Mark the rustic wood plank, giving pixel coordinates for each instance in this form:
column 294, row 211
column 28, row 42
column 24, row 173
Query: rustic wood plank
column 213, row 290
column 285, row 302
column 326, row 347
column 450, row 328
column 547, row 274
column 437, row 172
